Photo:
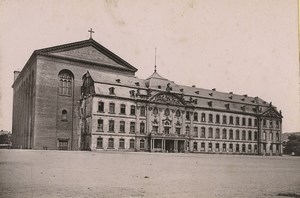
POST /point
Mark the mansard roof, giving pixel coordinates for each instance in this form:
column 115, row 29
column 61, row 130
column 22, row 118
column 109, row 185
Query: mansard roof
column 197, row 97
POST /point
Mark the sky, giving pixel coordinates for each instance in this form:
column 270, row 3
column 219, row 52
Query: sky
column 247, row 47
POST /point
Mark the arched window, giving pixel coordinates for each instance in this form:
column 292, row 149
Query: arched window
column 121, row 143
column 203, row 132
column 142, row 144
column 203, row 117
column 217, row 133
column 195, row 116
column 64, row 115
column 131, row 144
column 224, row 121
column 210, row 132
column 178, row 113
column 99, row 142
column 195, row 131
column 111, row 143
column 237, row 134
column 231, row 134
column 155, row 111
column 167, row 112
column 277, row 136
column 143, row 111
column 217, row 119
column 224, row 134
column 65, row 82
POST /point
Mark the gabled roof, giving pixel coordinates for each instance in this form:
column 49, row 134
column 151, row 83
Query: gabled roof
column 271, row 112
column 88, row 51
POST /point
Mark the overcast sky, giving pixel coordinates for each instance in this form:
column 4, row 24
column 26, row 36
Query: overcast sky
column 248, row 47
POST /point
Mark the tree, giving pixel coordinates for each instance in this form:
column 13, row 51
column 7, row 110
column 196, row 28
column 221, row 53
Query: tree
column 293, row 145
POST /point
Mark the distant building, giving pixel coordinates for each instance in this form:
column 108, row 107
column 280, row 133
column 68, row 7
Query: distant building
column 81, row 96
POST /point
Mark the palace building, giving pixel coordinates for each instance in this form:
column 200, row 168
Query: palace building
column 82, row 96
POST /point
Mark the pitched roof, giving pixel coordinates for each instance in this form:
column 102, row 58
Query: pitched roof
column 88, row 51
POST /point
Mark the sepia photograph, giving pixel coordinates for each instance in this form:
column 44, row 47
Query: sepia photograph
column 149, row 98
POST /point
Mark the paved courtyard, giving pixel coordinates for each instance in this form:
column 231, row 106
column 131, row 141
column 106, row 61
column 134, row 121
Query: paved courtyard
column 26, row 173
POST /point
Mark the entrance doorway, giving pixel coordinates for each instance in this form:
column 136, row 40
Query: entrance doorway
column 181, row 146
column 170, row 146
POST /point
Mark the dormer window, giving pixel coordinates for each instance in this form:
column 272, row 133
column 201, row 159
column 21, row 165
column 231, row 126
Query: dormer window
column 227, row 106
column 209, row 103
column 131, row 93
column 159, row 87
column 118, row 80
column 111, row 91
column 137, row 84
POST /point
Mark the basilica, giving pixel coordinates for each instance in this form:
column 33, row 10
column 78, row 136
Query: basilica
column 82, row 96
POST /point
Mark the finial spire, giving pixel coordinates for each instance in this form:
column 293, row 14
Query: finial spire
column 155, row 61
column 91, row 32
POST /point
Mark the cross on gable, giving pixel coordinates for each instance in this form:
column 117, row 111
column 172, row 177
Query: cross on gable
column 91, row 32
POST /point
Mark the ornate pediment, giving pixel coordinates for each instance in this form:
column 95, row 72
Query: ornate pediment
column 167, row 98
column 271, row 112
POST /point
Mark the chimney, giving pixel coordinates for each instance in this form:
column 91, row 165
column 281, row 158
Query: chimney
column 214, row 89
column 16, row 74
column 194, row 86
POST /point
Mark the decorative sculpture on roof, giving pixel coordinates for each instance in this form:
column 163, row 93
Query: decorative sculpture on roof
column 166, row 98
column 168, row 88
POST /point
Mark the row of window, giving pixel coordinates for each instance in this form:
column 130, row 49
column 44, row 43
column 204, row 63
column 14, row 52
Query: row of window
column 112, row 109
column 111, row 126
column 224, row 147
column 111, row 143
column 230, row 147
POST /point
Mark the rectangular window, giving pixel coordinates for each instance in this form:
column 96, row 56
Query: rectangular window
column 237, row 134
column 142, row 127
column 255, row 135
column 195, row 116
column 132, row 127
column 99, row 142
column 123, row 109
column 217, row 146
column 237, row 121
column 63, row 145
column 217, row 133
column 231, row 134
column 243, row 135
column 100, row 125
column 122, row 126
column 111, row 143
column 202, row 132
column 132, row 110
column 210, row 118
column 231, row 120
column 195, row 146
column 210, row 146
column 121, row 143
column 155, row 129
column 203, row 117
column 142, row 144
column 111, row 107
column 249, row 121
column 271, row 124
column 244, row 121
column 210, row 133
column 224, row 120
column 249, row 135
column 187, row 115
column 143, row 111
column 255, row 122
column 195, row 131
column 224, row 134
column 101, row 106
column 111, row 126
column 217, row 119
column 131, row 144
column 202, row 146
column 178, row 130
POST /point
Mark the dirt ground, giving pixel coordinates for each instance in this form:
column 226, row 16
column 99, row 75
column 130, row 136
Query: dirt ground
column 37, row 174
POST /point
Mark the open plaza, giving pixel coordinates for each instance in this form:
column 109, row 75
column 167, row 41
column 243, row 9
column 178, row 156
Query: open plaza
column 34, row 173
